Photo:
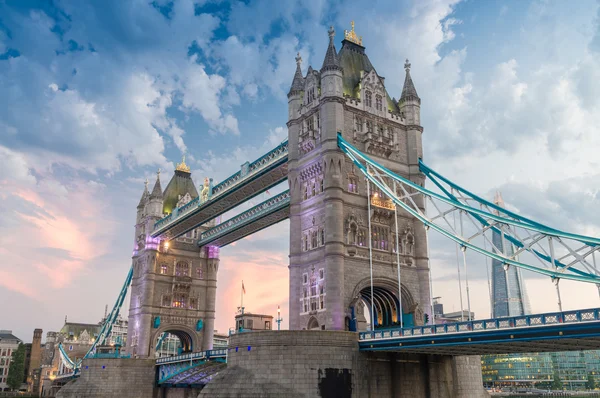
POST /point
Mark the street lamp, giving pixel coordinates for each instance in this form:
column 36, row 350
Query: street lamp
column 279, row 319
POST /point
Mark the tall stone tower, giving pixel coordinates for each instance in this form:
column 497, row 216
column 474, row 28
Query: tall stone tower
column 329, row 247
column 174, row 282
column 35, row 358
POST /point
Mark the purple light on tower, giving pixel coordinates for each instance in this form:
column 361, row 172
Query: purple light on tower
column 212, row 251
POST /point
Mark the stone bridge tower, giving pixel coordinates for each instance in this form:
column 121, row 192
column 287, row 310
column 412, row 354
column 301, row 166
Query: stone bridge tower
column 329, row 247
column 174, row 283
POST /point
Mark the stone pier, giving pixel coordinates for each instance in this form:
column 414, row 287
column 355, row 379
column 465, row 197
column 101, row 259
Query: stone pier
column 328, row 364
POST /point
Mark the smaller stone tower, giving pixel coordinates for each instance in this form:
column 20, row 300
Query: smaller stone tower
column 174, row 283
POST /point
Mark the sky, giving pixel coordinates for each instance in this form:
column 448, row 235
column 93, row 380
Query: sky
column 98, row 95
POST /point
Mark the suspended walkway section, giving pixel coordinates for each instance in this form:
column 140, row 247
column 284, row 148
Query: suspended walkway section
column 263, row 215
column 253, row 179
column 190, row 370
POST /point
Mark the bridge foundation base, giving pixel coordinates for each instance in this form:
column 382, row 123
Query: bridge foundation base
column 328, row 364
column 113, row 377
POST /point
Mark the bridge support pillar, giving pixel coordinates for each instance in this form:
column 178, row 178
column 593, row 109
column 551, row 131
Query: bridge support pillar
column 327, row 363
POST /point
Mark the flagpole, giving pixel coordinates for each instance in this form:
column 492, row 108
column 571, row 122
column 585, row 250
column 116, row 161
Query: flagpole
column 242, row 296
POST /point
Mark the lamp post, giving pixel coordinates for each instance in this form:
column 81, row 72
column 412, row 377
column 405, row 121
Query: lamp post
column 279, row 318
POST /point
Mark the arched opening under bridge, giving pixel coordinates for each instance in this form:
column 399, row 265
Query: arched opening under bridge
column 170, row 342
column 386, row 306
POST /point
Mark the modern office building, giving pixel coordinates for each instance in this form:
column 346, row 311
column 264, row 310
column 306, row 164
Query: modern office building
column 571, row 370
column 508, row 291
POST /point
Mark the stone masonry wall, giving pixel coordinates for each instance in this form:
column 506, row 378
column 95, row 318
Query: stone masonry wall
column 118, row 378
column 328, row 364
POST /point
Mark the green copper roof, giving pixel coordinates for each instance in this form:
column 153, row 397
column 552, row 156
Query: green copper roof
column 180, row 184
column 353, row 59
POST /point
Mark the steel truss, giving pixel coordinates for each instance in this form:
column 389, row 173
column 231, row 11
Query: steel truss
column 105, row 330
column 547, row 251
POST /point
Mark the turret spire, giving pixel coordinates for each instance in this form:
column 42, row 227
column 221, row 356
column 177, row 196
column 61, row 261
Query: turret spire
column 145, row 194
column 298, row 82
column 331, row 60
column 157, row 190
column 409, row 91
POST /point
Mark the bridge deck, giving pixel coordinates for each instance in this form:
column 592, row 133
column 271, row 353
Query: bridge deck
column 254, row 178
column 566, row 331
column 263, row 215
column 191, row 369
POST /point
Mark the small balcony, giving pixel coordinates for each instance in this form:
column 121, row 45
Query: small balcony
column 383, row 203
column 378, row 144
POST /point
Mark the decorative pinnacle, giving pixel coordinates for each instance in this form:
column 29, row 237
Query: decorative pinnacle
column 298, row 59
column 182, row 166
column 146, row 183
column 351, row 35
column 158, row 173
column 331, row 32
column 407, row 65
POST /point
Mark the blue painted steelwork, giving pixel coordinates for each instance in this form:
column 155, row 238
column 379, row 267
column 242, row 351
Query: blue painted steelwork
column 567, row 272
column 104, row 330
column 273, row 158
column 261, row 210
column 190, row 369
column 526, row 329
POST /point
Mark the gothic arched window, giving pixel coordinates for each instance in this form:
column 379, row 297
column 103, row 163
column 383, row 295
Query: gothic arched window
column 378, row 103
column 164, row 269
column 179, row 300
column 359, row 124
column 322, row 237
column 182, row 269
column 352, row 184
column 199, row 273
column 368, row 99
column 313, row 240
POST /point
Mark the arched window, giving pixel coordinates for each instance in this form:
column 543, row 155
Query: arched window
column 352, row 235
column 368, row 99
column 322, row 237
column 361, row 237
column 199, row 273
column 305, row 242
column 378, row 103
column 179, row 300
column 358, row 124
column 164, row 269
column 182, row 269
column 369, row 127
column 305, row 191
column 314, row 188
column 313, row 240
column 166, row 301
column 352, row 184
column 322, row 185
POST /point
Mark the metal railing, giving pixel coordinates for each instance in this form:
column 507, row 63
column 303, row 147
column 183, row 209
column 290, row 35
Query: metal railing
column 192, row 356
column 525, row 321
column 269, row 205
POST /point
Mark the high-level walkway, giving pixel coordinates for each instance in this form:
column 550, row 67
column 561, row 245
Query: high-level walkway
column 253, row 179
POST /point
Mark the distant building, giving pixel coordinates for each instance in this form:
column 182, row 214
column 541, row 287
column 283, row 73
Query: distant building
column 537, row 370
column 220, row 340
column 508, row 291
column 8, row 344
column 34, row 360
column 457, row 316
column 249, row 321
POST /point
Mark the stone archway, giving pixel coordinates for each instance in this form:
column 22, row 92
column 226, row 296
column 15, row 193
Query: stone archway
column 385, row 304
column 189, row 338
column 313, row 324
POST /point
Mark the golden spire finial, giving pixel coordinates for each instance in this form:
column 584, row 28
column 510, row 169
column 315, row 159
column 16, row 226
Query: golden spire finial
column 182, row 166
column 351, row 35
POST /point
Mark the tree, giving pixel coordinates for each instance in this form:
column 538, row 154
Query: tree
column 591, row 383
column 16, row 371
column 557, row 383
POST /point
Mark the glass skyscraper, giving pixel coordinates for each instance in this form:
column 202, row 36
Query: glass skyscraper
column 508, row 291
column 573, row 368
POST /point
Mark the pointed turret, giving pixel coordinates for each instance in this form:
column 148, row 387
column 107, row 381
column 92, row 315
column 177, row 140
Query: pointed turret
column 157, row 190
column 331, row 61
column 409, row 92
column 298, row 82
column 144, row 197
column 410, row 103
column 155, row 202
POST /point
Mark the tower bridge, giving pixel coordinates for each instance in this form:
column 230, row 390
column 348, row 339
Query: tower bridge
column 359, row 215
